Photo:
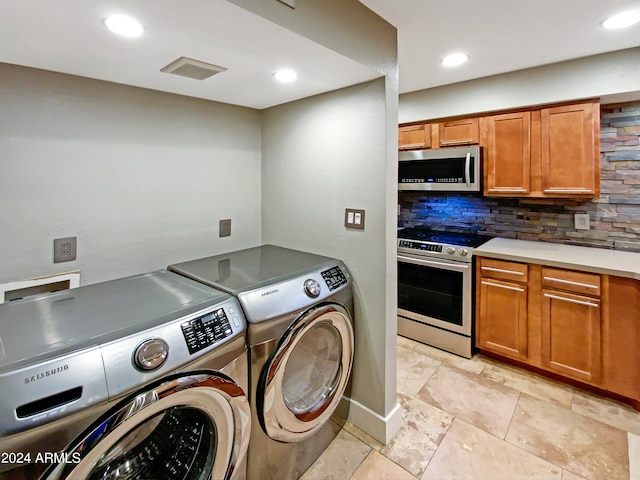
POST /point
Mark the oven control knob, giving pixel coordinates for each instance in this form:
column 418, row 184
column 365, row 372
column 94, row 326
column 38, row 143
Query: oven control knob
column 312, row 288
column 463, row 252
column 451, row 250
column 150, row 354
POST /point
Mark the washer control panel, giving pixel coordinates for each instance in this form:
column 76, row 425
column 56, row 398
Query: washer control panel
column 206, row 330
column 162, row 349
column 334, row 278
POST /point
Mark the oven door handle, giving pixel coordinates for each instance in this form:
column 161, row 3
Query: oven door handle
column 454, row 267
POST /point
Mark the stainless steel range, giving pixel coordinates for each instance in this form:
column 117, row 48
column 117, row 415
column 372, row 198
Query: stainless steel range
column 435, row 288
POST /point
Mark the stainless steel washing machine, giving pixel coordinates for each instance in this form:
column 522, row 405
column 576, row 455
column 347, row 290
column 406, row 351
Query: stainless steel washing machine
column 299, row 310
column 137, row 378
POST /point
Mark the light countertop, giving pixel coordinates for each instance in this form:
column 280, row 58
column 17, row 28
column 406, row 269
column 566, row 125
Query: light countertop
column 596, row 260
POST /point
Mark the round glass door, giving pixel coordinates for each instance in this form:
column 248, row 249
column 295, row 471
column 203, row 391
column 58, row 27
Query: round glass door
column 193, row 427
column 313, row 370
column 179, row 442
column 305, row 377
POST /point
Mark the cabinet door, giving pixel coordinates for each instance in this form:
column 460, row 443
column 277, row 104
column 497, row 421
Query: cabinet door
column 459, row 132
column 414, row 136
column 571, row 338
column 502, row 322
column 507, row 154
column 570, row 153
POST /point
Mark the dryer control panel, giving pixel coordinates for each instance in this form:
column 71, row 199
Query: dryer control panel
column 334, row 278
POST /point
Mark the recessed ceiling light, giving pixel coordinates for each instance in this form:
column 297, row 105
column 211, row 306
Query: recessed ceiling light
column 123, row 25
column 622, row 20
column 285, row 75
column 454, row 59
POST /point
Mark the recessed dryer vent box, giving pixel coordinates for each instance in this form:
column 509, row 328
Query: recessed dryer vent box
column 36, row 286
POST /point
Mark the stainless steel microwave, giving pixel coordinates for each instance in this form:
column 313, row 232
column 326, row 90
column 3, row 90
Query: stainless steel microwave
column 442, row 170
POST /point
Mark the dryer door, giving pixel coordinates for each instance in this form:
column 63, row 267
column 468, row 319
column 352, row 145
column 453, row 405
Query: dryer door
column 188, row 426
column 303, row 380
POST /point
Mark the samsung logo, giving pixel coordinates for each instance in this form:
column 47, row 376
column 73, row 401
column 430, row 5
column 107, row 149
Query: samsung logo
column 46, row 373
column 270, row 292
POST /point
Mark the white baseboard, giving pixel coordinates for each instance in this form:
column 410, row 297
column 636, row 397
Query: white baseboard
column 382, row 429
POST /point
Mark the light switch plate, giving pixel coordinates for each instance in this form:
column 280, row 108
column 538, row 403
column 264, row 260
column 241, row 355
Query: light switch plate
column 354, row 218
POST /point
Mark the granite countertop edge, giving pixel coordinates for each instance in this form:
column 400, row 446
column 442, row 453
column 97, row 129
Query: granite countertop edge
column 586, row 259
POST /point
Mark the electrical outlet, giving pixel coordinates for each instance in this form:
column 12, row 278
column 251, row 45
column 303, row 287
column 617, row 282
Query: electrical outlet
column 224, row 229
column 64, row 249
column 581, row 221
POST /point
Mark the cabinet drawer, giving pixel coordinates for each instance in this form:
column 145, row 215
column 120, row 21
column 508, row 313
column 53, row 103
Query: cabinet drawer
column 503, row 270
column 570, row 281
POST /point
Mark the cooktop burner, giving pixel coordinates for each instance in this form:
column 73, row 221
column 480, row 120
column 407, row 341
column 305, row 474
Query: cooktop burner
column 445, row 238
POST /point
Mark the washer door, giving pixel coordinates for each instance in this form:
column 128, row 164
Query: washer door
column 303, row 381
column 194, row 426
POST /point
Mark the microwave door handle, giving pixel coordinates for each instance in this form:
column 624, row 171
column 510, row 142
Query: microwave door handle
column 467, row 167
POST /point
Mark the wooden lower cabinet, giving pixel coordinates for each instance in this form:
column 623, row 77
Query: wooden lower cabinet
column 502, row 325
column 578, row 326
column 571, row 335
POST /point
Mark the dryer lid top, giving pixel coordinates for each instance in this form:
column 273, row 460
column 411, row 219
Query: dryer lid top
column 41, row 327
column 253, row 268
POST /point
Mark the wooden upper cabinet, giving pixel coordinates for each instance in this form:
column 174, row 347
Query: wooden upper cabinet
column 570, row 150
column 457, row 133
column 549, row 152
column 507, row 154
column 414, row 136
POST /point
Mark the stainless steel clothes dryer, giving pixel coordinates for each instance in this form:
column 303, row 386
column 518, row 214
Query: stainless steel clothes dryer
column 137, row 378
column 299, row 309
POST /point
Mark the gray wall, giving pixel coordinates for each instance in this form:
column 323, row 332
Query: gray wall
column 140, row 177
column 610, row 75
column 341, row 150
column 313, row 168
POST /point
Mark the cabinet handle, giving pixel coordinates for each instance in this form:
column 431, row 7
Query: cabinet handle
column 567, row 190
column 412, row 145
column 511, row 272
column 556, row 297
column 568, row 282
column 517, row 289
column 458, row 142
column 508, row 190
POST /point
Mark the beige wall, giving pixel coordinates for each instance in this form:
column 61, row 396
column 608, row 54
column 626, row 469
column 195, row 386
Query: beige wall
column 141, row 178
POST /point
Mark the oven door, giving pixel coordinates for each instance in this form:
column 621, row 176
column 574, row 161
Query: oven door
column 436, row 292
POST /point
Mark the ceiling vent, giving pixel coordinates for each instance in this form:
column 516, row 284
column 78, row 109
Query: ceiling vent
column 190, row 68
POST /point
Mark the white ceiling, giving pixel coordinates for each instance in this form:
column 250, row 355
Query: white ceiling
column 499, row 35
column 68, row 36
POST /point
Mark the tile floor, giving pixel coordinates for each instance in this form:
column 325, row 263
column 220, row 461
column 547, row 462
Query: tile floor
column 482, row 420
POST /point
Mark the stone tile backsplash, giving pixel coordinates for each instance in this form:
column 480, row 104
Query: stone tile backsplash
column 614, row 217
